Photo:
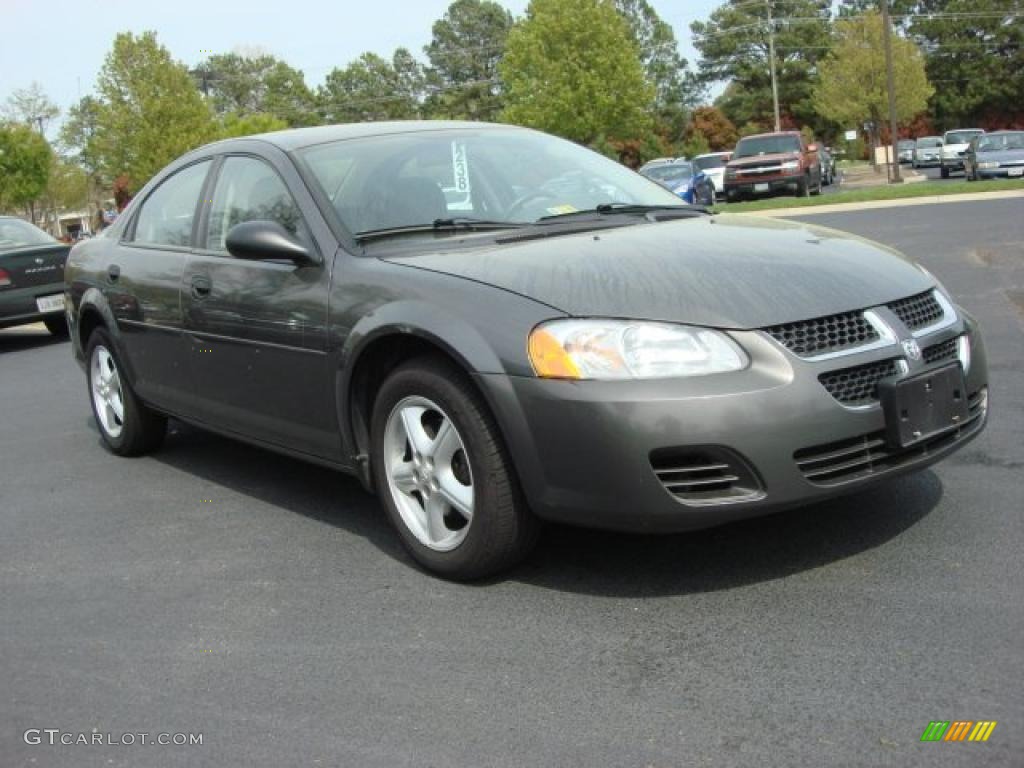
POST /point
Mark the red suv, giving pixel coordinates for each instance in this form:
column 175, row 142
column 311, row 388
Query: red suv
column 773, row 162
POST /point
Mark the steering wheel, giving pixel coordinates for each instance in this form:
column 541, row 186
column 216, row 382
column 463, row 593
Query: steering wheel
column 518, row 204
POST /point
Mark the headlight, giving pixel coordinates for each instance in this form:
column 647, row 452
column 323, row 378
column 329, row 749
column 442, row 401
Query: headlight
column 623, row 349
column 989, row 164
column 790, row 165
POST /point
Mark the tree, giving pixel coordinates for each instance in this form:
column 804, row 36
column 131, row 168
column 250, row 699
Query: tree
column 464, row 51
column 717, row 130
column 976, row 62
column 734, row 47
column 25, row 163
column 572, row 68
column 260, row 83
column 372, row 88
column 149, row 110
column 852, row 85
column 32, row 107
column 68, row 186
column 234, row 125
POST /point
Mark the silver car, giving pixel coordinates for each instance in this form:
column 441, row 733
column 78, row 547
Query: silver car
column 927, row 152
column 954, row 144
column 997, row 155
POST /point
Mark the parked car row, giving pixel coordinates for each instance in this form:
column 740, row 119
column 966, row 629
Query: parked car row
column 958, row 151
column 767, row 163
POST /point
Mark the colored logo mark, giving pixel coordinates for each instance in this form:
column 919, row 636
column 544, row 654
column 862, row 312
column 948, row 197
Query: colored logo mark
column 958, row 730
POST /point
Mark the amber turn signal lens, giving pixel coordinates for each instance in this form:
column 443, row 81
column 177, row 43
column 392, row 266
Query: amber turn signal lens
column 549, row 358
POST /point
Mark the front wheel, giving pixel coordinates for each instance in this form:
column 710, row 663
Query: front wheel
column 944, row 172
column 127, row 426
column 803, row 187
column 444, row 475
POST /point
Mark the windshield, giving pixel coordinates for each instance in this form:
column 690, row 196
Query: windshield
column 15, row 233
column 1001, row 141
column 905, row 144
column 961, row 137
column 497, row 175
column 710, row 161
column 930, row 141
column 767, row 145
column 670, row 174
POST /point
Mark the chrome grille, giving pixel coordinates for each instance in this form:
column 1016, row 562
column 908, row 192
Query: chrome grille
column 703, row 474
column 942, row 352
column 857, row 385
column 870, row 454
column 917, row 311
column 824, row 334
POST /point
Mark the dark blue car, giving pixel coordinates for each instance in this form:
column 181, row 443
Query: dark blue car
column 692, row 185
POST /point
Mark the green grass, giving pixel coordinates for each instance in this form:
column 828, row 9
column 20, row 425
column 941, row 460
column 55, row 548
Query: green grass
column 884, row 192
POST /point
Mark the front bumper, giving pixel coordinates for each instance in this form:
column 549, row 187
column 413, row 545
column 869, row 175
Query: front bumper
column 953, row 163
column 1002, row 172
column 775, row 184
column 586, row 452
column 18, row 305
column 927, row 161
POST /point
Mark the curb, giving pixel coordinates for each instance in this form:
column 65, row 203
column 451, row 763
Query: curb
column 868, row 205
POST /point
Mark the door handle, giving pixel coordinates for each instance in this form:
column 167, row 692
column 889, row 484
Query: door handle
column 201, row 286
column 113, row 272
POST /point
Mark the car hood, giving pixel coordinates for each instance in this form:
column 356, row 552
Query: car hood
column 723, row 271
column 758, row 160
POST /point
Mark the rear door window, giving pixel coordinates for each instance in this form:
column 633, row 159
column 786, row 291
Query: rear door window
column 168, row 213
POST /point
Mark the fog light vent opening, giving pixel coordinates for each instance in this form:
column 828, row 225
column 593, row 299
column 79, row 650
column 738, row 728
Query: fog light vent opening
column 705, row 475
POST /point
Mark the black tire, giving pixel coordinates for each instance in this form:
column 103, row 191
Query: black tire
column 803, row 187
column 502, row 530
column 944, row 172
column 142, row 430
column 57, row 325
column 817, row 189
column 731, row 196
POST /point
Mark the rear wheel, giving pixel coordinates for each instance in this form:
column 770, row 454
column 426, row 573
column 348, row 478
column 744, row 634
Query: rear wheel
column 944, row 172
column 127, row 426
column 57, row 325
column 444, row 476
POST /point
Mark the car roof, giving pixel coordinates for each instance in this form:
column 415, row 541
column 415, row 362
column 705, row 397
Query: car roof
column 771, row 133
column 297, row 138
column 964, row 130
column 712, row 154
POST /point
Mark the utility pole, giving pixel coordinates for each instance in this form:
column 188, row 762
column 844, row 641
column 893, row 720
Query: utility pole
column 890, row 80
column 771, row 64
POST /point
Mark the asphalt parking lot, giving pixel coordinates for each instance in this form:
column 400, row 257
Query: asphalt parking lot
column 214, row 588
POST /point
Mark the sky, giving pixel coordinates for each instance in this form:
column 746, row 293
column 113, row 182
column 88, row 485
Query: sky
column 61, row 44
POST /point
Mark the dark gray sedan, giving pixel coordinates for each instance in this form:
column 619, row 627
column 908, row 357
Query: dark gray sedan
column 492, row 327
column 996, row 155
column 31, row 276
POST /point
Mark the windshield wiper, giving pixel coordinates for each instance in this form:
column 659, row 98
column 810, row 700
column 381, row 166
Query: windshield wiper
column 605, row 209
column 452, row 224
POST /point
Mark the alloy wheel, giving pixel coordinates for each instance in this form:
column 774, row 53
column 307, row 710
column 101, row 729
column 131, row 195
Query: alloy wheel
column 107, row 395
column 428, row 473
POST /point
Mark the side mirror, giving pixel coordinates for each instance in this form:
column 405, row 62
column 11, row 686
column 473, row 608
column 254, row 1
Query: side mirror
column 266, row 241
column 812, row 147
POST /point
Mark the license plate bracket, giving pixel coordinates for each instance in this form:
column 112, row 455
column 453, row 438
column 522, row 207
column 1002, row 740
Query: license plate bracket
column 922, row 406
column 761, row 187
column 1015, row 172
